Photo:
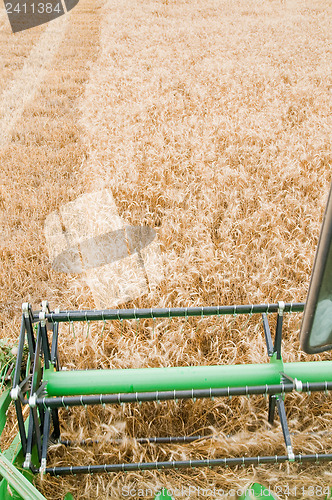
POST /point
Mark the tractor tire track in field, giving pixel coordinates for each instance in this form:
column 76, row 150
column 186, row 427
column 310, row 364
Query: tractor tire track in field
column 41, row 161
column 27, row 80
column 14, row 49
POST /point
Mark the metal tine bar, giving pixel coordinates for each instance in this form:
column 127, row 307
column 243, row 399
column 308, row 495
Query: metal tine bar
column 46, row 433
column 167, row 312
column 219, row 462
column 36, row 363
column 172, row 439
column 19, row 358
column 43, row 328
column 37, row 431
column 20, row 421
column 141, row 440
column 136, row 397
column 272, row 407
column 33, row 396
column 29, row 319
column 64, row 401
column 278, row 336
column 97, row 399
column 284, row 425
column 30, row 442
column 45, row 344
column 54, row 348
column 56, row 424
column 268, row 336
column 17, row 387
column 54, row 412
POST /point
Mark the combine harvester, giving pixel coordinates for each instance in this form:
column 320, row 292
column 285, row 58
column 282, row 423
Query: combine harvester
column 43, row 389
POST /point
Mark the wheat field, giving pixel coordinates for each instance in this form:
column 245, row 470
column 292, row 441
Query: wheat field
column 209, row 121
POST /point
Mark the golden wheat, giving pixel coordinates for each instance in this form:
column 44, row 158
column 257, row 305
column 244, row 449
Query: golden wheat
column 209, row 121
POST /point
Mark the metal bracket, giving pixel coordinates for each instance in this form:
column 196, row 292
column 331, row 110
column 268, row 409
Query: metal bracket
column 278, row 335
column 15, row 393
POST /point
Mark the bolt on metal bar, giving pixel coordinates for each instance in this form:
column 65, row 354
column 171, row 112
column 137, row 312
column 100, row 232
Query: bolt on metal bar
column 28, row 320
column 272, row 407
column 167, row 312
column 54, row 348
column 219, row 462
column 20, row 421
column 278, row 335
column 268, row 336
column 284, row 426
column 36, row 430
column 56, row 424
column 45, row 344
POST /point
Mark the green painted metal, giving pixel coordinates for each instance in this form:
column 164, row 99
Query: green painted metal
column 158, row 379
column 163, row 494
column 13, row 455
column 4, row 403
column 257, row 491
column 313, row 371
column 77, row 382
column 17, row 481
column 18, row 484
